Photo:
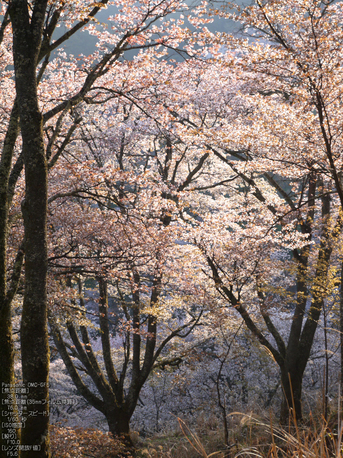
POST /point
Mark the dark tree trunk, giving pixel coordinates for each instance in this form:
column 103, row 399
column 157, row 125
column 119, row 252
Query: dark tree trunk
column 27, row 34
column 119, row 425
column 291, row 403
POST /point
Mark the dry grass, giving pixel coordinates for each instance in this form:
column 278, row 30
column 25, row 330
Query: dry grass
column 253, row 437
column 249, row 437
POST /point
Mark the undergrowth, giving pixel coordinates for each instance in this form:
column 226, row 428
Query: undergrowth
column 249, row 436
column 254, row 437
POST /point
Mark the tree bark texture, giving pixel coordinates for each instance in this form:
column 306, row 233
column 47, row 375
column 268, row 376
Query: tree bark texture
column 27, row 35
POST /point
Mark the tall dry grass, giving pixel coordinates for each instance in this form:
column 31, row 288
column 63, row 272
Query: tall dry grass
column 253, row 437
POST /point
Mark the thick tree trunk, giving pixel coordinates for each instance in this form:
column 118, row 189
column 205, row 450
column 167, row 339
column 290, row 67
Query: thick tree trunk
column 27, row 34
column 119, row 425
column 291, row 407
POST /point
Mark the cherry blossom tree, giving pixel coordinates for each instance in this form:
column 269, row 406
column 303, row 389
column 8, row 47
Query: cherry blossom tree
column 274, row 206
column 279, row 135
column 119, row 220
column 299, row 57
column 40, row 118
column 146, row 156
